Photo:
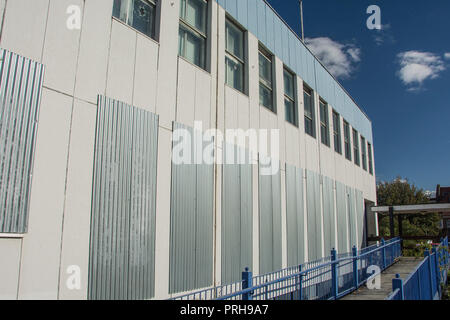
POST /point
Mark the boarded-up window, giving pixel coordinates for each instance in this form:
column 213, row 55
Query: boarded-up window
column 191, row 217
column 20, row 92
column 122, row 246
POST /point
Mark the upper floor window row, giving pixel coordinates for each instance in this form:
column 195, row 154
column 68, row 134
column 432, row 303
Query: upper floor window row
column 193, row 21
column 139, row 14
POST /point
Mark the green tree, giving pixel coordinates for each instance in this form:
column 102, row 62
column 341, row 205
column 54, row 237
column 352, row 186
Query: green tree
column 401, row 192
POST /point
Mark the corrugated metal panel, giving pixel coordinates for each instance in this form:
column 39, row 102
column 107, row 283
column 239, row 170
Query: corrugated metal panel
column 191, row 223
column 342, row 224
column 295, row 216
column 20, row 93
column 260, row 9
column 237, row 210
column 329, row 223
column 242, row 12
column 351, row 208
column 122, row 246
column 252, row 17
column 360, row 216
column 314, row 216
column 269, row 222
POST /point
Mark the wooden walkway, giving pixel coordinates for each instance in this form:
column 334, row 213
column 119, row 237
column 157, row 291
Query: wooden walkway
column 404, row 266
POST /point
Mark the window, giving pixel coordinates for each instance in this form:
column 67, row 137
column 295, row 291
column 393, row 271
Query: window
column 192, row 34
column 356, row 147
column 265, row 80
column 348, row 148
column 309, row 112
column 337, row 133
column 234, row 56
column 363, row 153
column 289, row 97
column 139, row 14
column 324, row 123
column 369, row 147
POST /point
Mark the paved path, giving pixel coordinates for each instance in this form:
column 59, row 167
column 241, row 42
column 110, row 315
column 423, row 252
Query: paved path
column 404, row 267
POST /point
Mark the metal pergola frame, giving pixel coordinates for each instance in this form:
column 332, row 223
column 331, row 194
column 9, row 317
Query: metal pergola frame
column 402, row 210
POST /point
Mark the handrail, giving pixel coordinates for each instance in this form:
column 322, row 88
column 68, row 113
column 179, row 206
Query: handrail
column 424, row 282
column 328, row 271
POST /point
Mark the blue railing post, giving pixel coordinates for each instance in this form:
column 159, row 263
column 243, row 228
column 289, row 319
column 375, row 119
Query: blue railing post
column 334, row 274
column 383, row 250
column 247, row 282
column 438, row 270
column 397, row 283
column 355, row 267
column 300, row 280
column 430, row 272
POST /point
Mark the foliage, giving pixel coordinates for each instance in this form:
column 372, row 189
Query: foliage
column 401, row 192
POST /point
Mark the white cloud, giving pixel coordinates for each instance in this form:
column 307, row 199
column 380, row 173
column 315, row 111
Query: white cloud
column 417, row 66
column 340, row 59
column 447, row 55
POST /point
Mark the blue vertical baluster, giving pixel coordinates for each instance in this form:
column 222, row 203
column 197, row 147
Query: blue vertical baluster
column 397, row 283
column 334, row 273
column 247, row 282
column 383, row 250
column 355, row 267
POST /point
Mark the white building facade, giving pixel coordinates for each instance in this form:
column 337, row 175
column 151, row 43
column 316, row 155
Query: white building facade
column 92, row 205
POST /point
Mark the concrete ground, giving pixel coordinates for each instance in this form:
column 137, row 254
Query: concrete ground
column 404, row 267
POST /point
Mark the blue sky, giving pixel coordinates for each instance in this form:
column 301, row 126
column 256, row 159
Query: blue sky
column 400, row 76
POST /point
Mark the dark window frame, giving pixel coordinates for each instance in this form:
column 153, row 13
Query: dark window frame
column 292, row 99
column 337, row 132
column 324, row 123
column 347, row 141
column 307, row 118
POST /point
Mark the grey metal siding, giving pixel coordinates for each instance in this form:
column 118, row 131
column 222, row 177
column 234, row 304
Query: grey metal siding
column 269, row 222
column 314, row 216
column 191, row 222
column 329, row 223
column 237, row 223
column 360, row 217
column 294, row 215
column 352, row 222
column 20, row 92
column 122, row 244
column 342, row 224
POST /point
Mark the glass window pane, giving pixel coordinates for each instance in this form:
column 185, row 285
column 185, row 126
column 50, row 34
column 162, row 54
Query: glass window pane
column 265, row 69
column 143, row 17
column 308, row 105
column 192, row 47
column 234, row 74
column 265, row 96
column 234, row 40
column 290, row 111
column 288, row 84
column 308, row 126
column 195, row 14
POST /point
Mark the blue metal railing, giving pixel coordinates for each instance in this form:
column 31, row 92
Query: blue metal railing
column 424, row 283
column 325, row 279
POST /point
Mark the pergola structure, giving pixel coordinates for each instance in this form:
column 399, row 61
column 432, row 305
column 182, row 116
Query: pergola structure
column 401, row 211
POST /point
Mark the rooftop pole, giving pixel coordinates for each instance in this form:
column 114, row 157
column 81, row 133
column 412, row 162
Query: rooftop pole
column 301, row 20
